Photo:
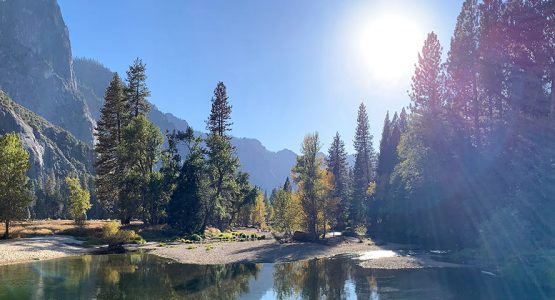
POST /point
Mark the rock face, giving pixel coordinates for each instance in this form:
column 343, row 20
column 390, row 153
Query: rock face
column 38, row 72
column 36, row 64
column 52, row 150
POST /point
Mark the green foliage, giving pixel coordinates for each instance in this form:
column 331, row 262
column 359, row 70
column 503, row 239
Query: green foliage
column 195, row 237
column 189, row 202
column 113, row 235
column 136, row 91
column 313, row 189
column 113, row 117
column 363, row 169
column 79, row 200
column 338, row 167
column 14, row 189
column 139, row 152
column 286, row 217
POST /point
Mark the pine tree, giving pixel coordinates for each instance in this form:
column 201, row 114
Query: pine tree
column 287, row 185
column 337, row 165
column 492, row 60
column 189, row 203
column 139, row 152
column 462, row 73
column 426, row 82
column 15, row 195
column 219, row 121
column 384, row 157
column 109, row 136
column 223, row 163
column 363, row 170
column 137, row 92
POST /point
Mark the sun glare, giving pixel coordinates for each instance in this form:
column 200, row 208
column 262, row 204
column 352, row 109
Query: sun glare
column 389, row 46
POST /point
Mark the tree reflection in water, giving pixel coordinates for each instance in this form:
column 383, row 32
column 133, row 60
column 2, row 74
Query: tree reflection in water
column 144, row 276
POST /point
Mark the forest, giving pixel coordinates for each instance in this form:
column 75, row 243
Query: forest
column 469, row 164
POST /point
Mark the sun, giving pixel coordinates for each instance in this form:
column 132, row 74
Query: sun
column 388, row 46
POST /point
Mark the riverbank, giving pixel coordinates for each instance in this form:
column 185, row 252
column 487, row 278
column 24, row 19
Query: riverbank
column 50, row 239
column 39, row 248
column 270, row 251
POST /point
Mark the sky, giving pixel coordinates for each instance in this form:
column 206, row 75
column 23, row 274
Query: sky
column 291, row 67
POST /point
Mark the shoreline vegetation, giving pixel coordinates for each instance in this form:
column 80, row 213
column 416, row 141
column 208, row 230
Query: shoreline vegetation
column 44, row 240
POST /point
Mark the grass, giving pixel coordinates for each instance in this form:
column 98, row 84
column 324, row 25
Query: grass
column 25, row 229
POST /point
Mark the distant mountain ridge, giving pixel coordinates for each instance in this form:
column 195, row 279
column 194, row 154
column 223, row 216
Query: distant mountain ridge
column 38, row 72
column 267, row 169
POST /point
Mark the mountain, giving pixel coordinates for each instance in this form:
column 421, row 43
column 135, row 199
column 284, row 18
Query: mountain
column 52, row 150
column 36, row 65
column 267, row 169
column 38, row 72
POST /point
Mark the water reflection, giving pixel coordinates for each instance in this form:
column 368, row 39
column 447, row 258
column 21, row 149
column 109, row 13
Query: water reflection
column 143, row 276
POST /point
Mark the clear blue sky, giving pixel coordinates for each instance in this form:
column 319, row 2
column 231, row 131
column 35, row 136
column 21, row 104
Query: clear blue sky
column 289, row 66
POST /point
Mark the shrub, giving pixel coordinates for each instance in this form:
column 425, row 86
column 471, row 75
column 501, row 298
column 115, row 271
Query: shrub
column 113, row 235
column 212, row 232
column 195, row 237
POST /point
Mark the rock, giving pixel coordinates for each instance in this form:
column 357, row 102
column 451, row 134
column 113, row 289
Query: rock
column 36, row 64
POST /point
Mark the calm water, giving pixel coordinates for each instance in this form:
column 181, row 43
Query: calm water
column 144, row 276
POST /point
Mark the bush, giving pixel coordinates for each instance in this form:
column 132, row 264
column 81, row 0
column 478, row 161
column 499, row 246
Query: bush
column 195, row 237
column 212, row 232
column 113, row 235
column 262, row 237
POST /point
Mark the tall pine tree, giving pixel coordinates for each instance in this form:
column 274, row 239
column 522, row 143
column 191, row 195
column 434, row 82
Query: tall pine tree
column 363, row 170
column 337, row 165
column 137, row 92
column 113, row 118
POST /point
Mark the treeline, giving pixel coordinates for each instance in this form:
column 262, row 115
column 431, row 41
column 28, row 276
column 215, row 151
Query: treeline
column 137, row 179
column 470, row 162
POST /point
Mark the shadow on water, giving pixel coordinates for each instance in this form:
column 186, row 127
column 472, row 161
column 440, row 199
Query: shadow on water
column 144, row 276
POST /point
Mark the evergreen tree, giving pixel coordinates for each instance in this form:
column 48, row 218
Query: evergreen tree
column 219, row 121
column 338, row 167
column 492, row 61
column 15, row 195
column 363, row 170
column 287, row 185
column 139, row 152
column 189, row 203
column 384, row 157
column 462, row 72
column 426, row 85
column 109, row 136
column 137, row 92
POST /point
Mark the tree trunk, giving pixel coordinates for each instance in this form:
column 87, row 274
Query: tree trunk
column 7, row 229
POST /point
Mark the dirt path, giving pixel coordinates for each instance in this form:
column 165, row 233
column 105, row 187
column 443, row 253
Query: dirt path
column 39, row 248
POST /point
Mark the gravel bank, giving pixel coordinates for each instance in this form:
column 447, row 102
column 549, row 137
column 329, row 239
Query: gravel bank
column 269, row 251
column 39, row 248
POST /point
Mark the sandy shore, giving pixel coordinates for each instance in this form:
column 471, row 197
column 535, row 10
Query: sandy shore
column 39, row 248
column 264, row 251
column 269, row 251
